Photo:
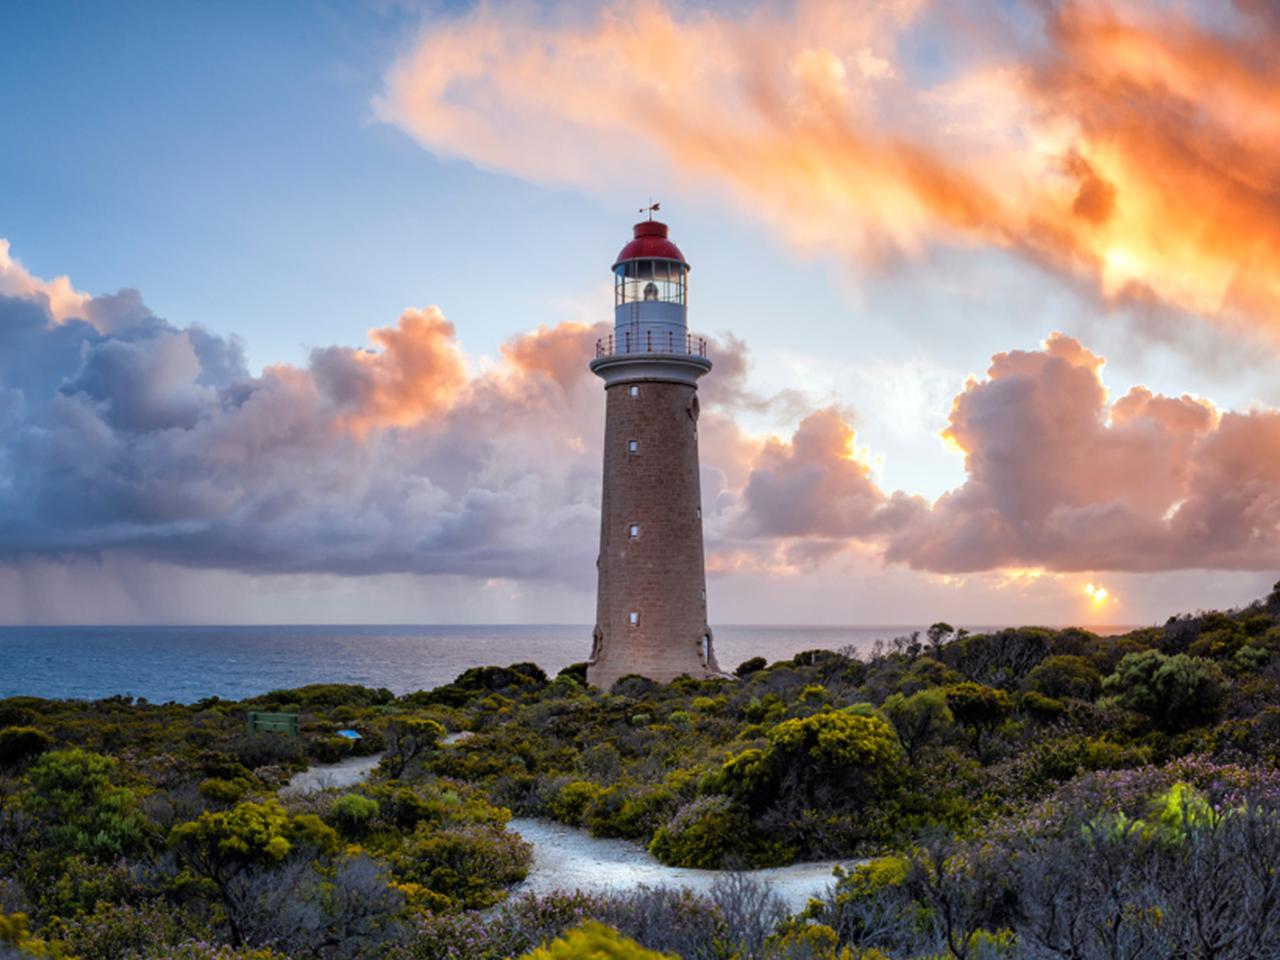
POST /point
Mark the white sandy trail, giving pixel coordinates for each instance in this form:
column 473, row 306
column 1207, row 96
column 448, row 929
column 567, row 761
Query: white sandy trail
column 567, row 858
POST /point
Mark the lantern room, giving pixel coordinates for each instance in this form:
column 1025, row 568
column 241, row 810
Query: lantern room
column 651, row 286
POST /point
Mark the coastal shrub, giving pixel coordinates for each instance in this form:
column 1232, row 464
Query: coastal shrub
column 83, row 810
column 747, row 667
column 352, row 814
column 837, row 757
column 576, row 672
column 1038, row 707
column 594, row 941
column 20, row 744
column 1177, row 692
column 703, row 834
column 1064, row 676
column 807, row 941
column 329, row 749
column 634, row 687
column 1060, row 759
column 633, row 812
column 918, row 720
column 111, row 931
column 322, row 695
column 239, row 856
column 408, row 739
column 571, row 801
column 224, row 793
column 979, row 708
column 466, row 868
column 999, row 659
column 259, row 750
column 926, row 672
column 220, row 844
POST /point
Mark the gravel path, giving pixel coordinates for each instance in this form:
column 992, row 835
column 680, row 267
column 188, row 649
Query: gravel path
column 567, row 858
column 344, row 773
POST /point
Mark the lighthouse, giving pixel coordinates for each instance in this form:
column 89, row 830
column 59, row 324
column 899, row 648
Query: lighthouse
column 651, row 599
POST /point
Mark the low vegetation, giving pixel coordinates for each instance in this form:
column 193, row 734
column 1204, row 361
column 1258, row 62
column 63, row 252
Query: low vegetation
column 1027, row 793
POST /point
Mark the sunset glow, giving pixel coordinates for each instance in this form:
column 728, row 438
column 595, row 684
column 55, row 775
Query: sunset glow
column 1099, row 595
column 989, row 292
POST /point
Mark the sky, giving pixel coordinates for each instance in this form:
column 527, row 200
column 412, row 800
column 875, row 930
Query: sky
column 296, row 302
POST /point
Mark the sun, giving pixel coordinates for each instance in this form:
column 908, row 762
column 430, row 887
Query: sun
column 1099, row 595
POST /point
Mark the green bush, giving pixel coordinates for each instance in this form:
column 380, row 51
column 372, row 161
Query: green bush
column 329, row 749
column 979, row 708
column 219, row 845
column 20, row 744
column 74, row 792
column 1063, row 676
column 352, row 814
column 224, row 792
column 594, row 941
column 918, row 719
column 703, row 834
column 409, row 740
column 571, row 801
column 1177, row 692
column 468, row 868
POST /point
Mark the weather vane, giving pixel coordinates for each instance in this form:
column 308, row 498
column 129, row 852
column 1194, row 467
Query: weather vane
column 650, row 208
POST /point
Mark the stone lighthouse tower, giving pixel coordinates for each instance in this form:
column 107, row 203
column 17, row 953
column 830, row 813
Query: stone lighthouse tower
column 651, row 605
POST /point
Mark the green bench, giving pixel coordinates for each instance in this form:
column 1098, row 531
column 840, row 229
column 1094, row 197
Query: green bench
column 272, row 723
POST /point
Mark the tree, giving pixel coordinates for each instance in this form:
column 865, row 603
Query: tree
column 939, row 634
column 229, row 850
column 979, row 708
column 407, row 740
column 917, row 719
column 1177, row 692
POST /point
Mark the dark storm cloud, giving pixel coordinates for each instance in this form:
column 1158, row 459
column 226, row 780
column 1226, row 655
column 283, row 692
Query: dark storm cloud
column 124, row 432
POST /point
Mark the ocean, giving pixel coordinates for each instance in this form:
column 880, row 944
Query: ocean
column 186, row 664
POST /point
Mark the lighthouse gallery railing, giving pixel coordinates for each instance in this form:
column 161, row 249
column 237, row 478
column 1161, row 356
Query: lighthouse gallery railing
column 648, row 341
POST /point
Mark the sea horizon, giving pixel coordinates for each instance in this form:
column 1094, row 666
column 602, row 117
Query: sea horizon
column 186, row 663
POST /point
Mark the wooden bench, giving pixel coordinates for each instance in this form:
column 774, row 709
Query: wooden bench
column 272, row 723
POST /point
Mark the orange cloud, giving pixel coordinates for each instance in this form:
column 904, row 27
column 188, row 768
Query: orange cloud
column 417, row 373
column 63, row 300
column 1139, row 151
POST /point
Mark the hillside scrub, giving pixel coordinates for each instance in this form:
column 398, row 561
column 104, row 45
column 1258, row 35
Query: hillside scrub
column 1022, row 793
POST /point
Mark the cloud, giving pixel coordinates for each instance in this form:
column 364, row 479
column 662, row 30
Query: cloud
column 58, row 296
column 1138, row 150
column 135, row 439
column 147, row 438
column 1059, row 477
column 815, row 485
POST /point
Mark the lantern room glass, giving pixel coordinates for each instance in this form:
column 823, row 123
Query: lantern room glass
column 663, row 281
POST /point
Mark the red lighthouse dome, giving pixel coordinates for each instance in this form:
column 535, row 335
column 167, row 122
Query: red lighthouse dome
column 651, row 243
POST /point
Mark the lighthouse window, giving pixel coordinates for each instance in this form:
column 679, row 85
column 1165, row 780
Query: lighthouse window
column 665, row 281
column 635, row 531
column 634, row 617
column 633, row 446
column 635, row 391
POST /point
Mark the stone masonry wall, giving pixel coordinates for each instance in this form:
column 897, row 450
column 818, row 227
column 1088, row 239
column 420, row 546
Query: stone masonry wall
column 658, row 574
